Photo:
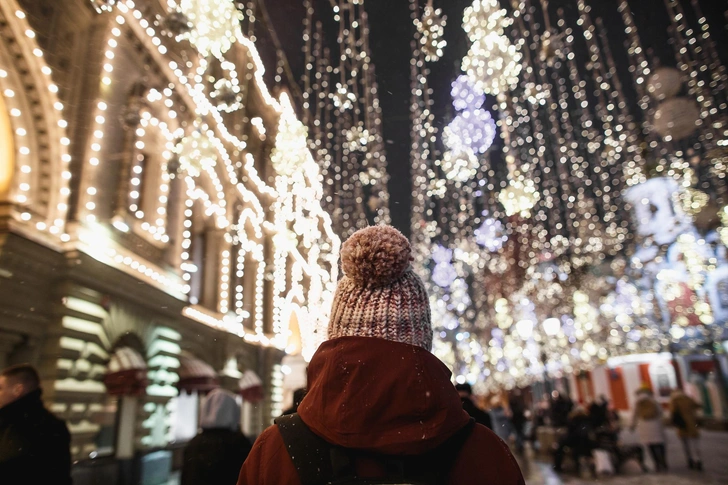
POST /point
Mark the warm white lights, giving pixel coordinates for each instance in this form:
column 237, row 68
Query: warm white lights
column 215, row 25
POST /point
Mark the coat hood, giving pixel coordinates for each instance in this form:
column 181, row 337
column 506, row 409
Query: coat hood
column 220, row 411
column 387, row 397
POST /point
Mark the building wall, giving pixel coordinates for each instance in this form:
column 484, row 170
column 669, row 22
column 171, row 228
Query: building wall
column 125, row 185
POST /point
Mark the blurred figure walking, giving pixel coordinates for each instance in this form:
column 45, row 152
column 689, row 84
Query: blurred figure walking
column 578, row 440
column 466, row 396
column 501, row 420
column 34, row 444
column 518, row 419
column 647, row 419
column 217, row 453
column 683, row 412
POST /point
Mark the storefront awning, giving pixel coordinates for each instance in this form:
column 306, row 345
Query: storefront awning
column 127, row 373
column 251, row 387
column 196, row 375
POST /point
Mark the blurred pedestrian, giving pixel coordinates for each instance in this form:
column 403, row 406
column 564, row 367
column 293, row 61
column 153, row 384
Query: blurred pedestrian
column 683, row 412
column 298, row 396
column 216, row 454
column 579, row 439
column 561, row 407
column 599, row 413
column 517, row 407
column 34, row 444
column 379, row 404
column 647, row 419
column 466, row 396
column 501, row 420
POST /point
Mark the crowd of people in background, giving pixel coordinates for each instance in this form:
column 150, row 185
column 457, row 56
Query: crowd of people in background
column 591, row 433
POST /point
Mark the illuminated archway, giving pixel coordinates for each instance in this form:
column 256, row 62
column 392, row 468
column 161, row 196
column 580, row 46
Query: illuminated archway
column 7, row 149
column 34, row 155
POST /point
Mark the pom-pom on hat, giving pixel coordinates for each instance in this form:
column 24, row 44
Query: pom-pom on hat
column 379, row 294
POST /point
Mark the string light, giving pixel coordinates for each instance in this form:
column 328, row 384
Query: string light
column 46, row 215
column 215, row 25
column 432, row 29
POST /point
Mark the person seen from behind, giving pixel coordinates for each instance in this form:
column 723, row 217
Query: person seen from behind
column 578, row 439
column 466, row 396
column 380, row 407
column 217, row 453
column 34, row 444
column 502, row 425
column 683, row 412
column 647, row 419
column 298, row 396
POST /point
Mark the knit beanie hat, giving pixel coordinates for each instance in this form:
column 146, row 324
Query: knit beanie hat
column 379, row 294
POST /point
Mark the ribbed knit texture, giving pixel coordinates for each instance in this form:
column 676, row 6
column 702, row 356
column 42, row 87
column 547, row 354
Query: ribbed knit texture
column 389, row 301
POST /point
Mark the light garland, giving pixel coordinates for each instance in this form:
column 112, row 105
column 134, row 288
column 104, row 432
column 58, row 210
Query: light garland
column 519, row 197
column 216, row 25
column 491, row 235
column 291, row 149
column 460, row 165
column 432, row 29
column 51, row 220
column 465, row 96
column 209, row 174
column 473, row 130
column 492, row 64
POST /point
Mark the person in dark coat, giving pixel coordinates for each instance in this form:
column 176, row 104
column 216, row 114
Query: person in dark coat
column 376, row 390
column 216, row 454
column 518, row 419
column 599, row 413
column 466, row 396
column 298, row 396
column 560, row 408
column 579, row 439
column 34, row 444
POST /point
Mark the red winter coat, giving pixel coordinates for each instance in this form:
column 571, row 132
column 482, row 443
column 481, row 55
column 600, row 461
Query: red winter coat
column 371, row 394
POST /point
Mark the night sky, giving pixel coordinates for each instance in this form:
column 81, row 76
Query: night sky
column 391, row 32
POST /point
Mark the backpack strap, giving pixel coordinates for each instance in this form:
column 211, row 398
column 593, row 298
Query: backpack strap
column 317, row 462
column 311, row 454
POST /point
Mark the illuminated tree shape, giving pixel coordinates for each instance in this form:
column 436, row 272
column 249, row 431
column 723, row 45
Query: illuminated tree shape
column 291, row 150
column 216, row 25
